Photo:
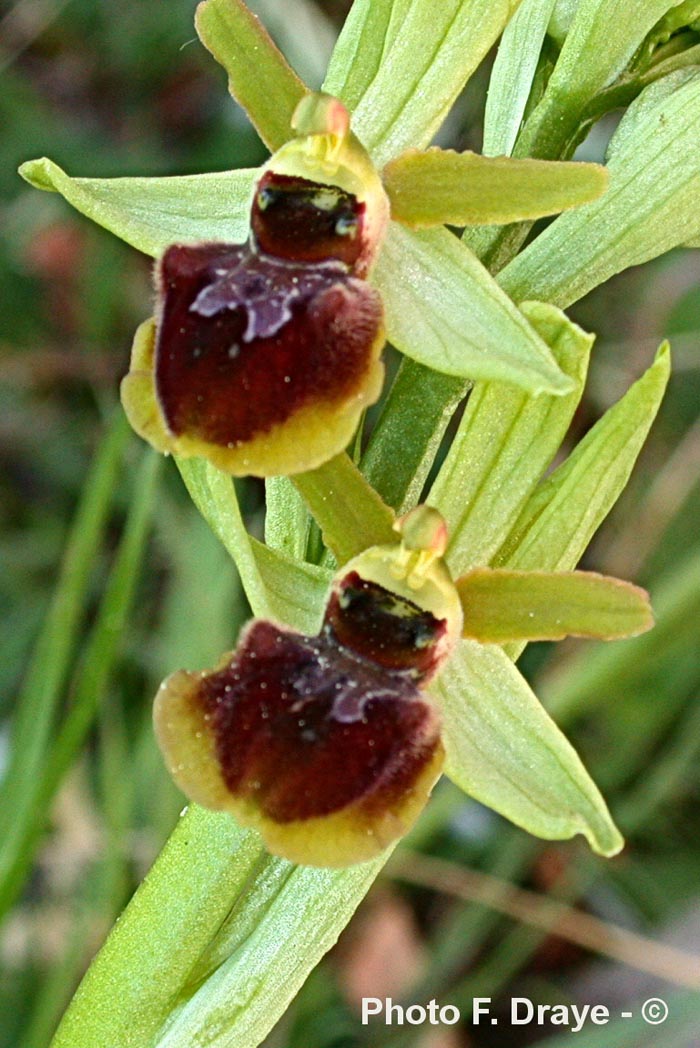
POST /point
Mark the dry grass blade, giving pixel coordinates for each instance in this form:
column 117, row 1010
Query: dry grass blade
column 553, row 917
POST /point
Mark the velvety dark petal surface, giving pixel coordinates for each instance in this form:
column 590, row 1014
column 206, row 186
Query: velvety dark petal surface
column 294, row 218
column 245, row 342
column 388, row 629
column 306, row 729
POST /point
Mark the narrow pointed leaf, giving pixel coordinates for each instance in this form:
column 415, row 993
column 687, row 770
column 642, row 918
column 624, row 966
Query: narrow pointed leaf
column 505, row 750
column 648, row 209
column 505, row 442
column 259, row 76
column 428, row 53
column 501, row 605
column 439, row 186
column 348, row 510
column 275, row 585
column 512, row 75
column 370, row 29
column 444, row 310
column 600, row 42
column 55, row 648
column 559, row 520
column 150, row 213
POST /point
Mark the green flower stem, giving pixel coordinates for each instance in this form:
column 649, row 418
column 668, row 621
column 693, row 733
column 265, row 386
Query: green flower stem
column 349, row 511
column 137, row 978
column 91, row 683
column 52, row 657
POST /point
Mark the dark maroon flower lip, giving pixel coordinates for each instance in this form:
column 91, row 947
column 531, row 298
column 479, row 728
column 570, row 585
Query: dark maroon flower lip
column 245, row 343
column 328, row 744
column 266, row 353
column 306, row 730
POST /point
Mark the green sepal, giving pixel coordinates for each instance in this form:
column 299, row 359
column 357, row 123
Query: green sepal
column 443, row 309
column 439, row 186
column 501, row 605
column 505, row 750
column 259, row 76
column 276, row 586
column 151, row 213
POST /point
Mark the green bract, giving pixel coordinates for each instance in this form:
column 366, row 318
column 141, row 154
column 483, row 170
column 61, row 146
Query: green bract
column 220, row 936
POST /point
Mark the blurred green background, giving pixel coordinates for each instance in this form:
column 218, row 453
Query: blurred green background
column 108, row 89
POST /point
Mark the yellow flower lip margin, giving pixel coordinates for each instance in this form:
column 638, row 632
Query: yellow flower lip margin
column 326, row 752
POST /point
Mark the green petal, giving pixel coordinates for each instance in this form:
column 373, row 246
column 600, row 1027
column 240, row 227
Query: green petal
column 150, row 213
column 403, row 92
column 602, row 39
column 512, row 75
column 650, row 207
column 505, row 442
column 504, row 750
column 349, row 512
column 501, row 605
column 444, row 310
column 561, row 517
column 260, row 78
column 439, row 186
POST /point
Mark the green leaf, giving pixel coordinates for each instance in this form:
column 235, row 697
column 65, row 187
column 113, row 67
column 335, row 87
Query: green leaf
column 259, row 76
column 428, row 52
column 370, row 29
column 348, row 510
column 444, row 310
column 150, row 213
column 683, row 14
column 650, row 207
column 276, row 586
column 505, row 442
column 501, row 605
column 504, row 750
column 439, row 186
column 559, row 520
column 214, row 945
column 600, row 42
column 407, row 434
column 512, row 75
column 288, row 919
